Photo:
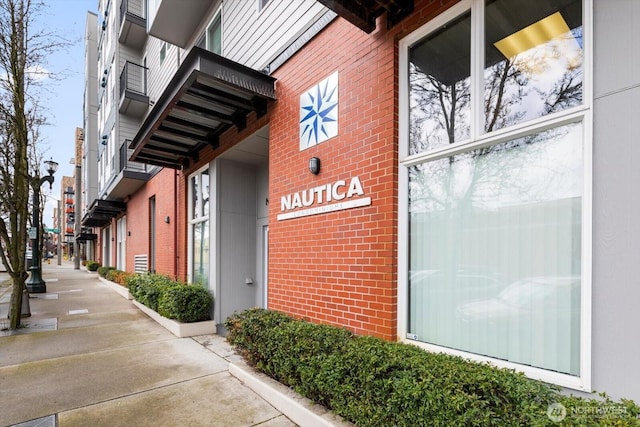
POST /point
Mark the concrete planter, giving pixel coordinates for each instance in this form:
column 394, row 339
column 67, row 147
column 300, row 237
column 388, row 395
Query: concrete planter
column 122, row 290
column 181, row 330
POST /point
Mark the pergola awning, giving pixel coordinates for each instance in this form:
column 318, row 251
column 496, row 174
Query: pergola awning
column 101, row 212
column 84, row 237
column 208, row 95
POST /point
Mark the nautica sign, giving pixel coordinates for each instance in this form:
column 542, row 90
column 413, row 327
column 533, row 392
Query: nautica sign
column 330, row 197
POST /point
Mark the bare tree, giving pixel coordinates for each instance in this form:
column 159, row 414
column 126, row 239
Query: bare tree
column 23, row 54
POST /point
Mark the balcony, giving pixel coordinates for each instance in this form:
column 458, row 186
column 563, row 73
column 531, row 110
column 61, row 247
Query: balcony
column 130, row 175
column 134, row 100
column 101, row 212
column 133, row 23
column 165, row 14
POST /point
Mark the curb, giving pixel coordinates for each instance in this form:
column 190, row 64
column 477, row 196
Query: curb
column 297, row 408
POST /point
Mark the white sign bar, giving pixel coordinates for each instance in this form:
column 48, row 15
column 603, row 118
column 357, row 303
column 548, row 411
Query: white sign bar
column 353, row 203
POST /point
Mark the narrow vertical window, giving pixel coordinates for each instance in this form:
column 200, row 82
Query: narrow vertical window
column 199, row 222
column 214, row 36
column 163, row 52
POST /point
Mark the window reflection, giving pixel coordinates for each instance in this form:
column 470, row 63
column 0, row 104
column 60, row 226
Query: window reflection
column 439, row 82
column 205, row 192
column 201, row 253
column 533, row 66
column 533, row 60
column 195, row 196
column 495, row 250
column 200, row 194
column 200, row 227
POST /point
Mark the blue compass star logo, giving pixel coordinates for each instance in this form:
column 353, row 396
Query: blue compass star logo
column 319, row 112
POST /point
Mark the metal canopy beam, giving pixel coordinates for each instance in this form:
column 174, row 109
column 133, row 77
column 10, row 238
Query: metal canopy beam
column 363, row 13
column 207, row 96
column 101, row 212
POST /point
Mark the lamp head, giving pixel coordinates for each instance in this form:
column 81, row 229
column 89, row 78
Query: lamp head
column 52, row 166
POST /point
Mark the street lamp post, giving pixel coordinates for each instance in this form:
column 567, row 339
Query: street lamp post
column 34, row 283
column 59, row 249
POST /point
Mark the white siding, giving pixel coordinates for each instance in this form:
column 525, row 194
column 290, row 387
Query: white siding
column 249, row 37
column 254, row 38
column 90, row 162
column 616, row 200
column 160, row 74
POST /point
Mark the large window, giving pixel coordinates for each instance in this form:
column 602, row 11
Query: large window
column 199, row 223
column 494, row 177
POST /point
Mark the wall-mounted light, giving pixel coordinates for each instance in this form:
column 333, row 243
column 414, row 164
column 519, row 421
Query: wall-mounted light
column 167, row 219
column 314, row 165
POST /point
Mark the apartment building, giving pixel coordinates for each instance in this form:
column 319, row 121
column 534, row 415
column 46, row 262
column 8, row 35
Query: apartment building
column 117, row 97
column 452, row 174
column 87, row 156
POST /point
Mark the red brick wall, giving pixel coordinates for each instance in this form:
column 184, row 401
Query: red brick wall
column 340, row 268
column 164, row 186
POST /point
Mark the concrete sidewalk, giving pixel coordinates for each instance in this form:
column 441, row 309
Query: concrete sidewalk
column 90, row 357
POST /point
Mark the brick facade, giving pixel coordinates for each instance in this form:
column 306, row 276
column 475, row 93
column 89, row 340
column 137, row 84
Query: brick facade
column 340, row 267
column 164, row 187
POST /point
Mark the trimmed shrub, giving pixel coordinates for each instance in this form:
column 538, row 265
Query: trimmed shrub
column 118, row 276
column 372, row 382
column 92, row 265
column 146, row 288
column 102, row 271
column 185, row 303
column 171, row 299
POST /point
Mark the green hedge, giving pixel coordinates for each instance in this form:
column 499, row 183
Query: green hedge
column 185, row 303
column 92, row 265
column 372, row 382
column 102, row 271
column 174, row 300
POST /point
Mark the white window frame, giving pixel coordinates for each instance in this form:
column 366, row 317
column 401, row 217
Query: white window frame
column 580, row 114
column 121, row 242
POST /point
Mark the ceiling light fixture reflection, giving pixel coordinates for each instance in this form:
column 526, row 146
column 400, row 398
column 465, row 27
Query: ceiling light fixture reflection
column 549, row 28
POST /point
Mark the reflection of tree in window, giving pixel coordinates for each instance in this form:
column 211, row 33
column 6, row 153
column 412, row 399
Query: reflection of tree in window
column 439, row 80
column 533, row 67
column 512, row 205
column 533, row 60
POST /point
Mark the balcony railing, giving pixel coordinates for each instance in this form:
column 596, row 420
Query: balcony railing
column 133, row 23
column 133, row 89
column 127, row 164
column 134, row 8
column 133, row 78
